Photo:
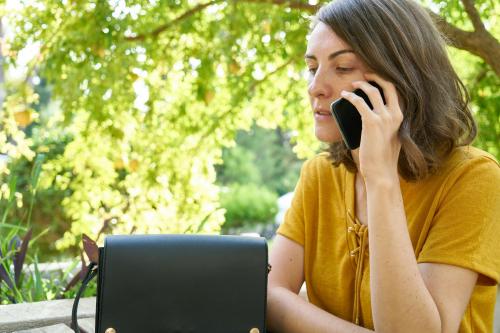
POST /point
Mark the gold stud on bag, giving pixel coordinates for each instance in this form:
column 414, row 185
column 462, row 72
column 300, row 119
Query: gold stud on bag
column 110, row 330
column 254, row 330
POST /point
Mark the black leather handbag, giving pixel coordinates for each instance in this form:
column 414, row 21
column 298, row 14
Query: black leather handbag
column 179, row 283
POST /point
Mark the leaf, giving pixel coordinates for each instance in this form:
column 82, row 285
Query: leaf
column 202, row 224
column 3, row 273
column 15, row 243
column 11, row 200
column 73, row 281
column 199, row 227
column 39, row 294
column 66, row 273
column 35, row 172
column 91, row 249
column 20, row 256
column 78, row 276
column 35, row 176
column 12, row 226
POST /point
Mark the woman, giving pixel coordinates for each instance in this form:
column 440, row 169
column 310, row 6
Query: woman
column 401, row 234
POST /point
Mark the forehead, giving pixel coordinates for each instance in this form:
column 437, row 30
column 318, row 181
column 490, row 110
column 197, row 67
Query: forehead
column 323, row 41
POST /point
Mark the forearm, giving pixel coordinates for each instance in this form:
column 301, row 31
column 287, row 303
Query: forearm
column 400, row 299
column 290, row 313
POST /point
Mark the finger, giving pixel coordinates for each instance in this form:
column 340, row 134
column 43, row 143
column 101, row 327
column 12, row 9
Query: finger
column 390, row 93
column 359, row 103
column 372, row 93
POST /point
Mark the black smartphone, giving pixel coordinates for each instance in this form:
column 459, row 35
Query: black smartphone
column 348, row 118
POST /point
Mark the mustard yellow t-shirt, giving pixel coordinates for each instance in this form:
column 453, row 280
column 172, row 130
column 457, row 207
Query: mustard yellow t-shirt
column 453, row 218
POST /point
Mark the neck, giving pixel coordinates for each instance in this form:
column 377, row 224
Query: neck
column 355, row 157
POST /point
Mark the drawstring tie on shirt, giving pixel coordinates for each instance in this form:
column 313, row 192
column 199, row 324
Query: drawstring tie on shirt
column 361, row 232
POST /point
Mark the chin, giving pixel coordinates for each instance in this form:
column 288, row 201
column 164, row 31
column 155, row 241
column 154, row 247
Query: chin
column 328, row 136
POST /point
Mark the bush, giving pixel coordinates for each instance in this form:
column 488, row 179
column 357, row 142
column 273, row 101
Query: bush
column 261, row 156
column 20, row 277
column 248, row 205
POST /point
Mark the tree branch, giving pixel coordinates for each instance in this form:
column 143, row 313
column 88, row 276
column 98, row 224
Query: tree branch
column 454, row 36
column 268, row 75
column 164, row 27
column 251, row 88
column 290, row 4
column 473, row 15
column 479, row 43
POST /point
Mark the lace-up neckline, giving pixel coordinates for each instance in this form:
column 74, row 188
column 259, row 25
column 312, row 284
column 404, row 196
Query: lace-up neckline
column 357, row 236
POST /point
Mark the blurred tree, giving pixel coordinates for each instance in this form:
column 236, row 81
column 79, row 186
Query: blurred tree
column 150, row 91
column 263, row 157
column 247, row 205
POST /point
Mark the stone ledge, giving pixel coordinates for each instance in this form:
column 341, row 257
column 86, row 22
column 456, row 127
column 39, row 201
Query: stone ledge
column 55, row 316
column 59, row 328
column 24, row 316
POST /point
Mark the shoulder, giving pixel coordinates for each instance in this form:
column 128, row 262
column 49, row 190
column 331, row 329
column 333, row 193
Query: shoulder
column 468, row 160
column 468, row 170
column 320, row 176
column 470, row 154
column 320, row 164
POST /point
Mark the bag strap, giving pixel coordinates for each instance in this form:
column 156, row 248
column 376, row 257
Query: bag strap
column 91, row 273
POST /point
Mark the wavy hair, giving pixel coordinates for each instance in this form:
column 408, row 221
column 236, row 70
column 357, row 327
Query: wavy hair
column 398, row 40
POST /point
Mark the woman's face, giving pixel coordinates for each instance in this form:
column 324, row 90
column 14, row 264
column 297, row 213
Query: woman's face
column 333, row 66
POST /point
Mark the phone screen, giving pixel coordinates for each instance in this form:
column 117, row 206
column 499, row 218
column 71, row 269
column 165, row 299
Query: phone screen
column 348, row 118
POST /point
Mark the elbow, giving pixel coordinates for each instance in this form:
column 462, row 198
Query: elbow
column 273, row 311
column 414, row 323
column 406, row 329
column 279, row 300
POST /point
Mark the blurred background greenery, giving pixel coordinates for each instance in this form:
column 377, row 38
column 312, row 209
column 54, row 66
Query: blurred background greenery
column 173, row 116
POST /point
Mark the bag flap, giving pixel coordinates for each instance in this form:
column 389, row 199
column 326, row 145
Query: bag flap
column 183, row 283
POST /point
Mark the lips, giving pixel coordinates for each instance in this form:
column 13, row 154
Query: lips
column 322, row 112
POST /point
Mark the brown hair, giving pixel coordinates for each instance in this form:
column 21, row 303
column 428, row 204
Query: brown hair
column 398, row 40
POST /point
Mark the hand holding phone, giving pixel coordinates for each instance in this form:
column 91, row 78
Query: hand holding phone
column 348, row 118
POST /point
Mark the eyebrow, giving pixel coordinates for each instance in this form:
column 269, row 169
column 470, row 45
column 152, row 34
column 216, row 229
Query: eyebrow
column 331, row 56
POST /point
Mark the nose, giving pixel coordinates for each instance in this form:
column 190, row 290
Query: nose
column 319, row 85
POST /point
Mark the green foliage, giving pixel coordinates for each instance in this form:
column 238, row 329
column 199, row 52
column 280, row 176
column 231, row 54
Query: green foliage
column 248, row 205
column 47, row 205
column 146, row 162
column 263, row 157
column 149, row 93
column 259, row 168
column 239, row 166
column 482, row 83
column 480, row 80
column 20, row 277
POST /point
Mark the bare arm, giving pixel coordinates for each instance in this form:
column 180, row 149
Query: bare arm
column 288, row 312
column 406, row 297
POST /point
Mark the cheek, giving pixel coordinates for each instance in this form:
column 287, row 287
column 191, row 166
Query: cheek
column 345, row 82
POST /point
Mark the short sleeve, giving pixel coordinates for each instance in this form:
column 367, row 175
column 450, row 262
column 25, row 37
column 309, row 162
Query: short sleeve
column 293, row 223
column 465, row 231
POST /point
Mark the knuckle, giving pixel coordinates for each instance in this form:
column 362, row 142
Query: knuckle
column 386, row 118
column 398, row 116
column 372, row 90
column 357, row 100
column 370, row 121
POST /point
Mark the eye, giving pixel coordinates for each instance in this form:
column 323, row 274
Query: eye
column 343, row 69
column 312, row 70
